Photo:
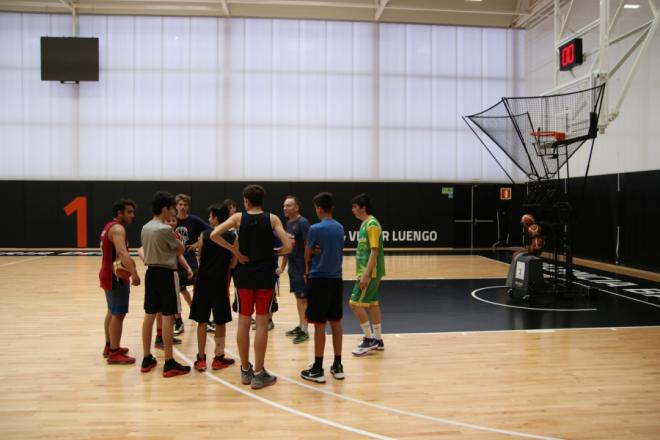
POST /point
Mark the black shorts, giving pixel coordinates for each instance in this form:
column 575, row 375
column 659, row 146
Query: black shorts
column 211, row 294
column 183, row 278
column 161, row 291
column 324, row 300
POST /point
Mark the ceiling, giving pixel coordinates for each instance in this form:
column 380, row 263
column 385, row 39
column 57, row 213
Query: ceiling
column 495, row 13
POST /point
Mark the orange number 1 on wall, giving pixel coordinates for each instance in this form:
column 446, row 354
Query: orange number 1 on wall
column 79, row 206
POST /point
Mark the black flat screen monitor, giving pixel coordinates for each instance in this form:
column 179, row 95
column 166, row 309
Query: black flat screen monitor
column 69, row 59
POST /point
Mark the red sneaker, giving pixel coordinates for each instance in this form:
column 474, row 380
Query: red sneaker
column 106, row 351
column 120, row 358
column 220, row 362
column 200, row 363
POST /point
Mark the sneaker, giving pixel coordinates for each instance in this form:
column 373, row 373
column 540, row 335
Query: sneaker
column 381, row 344
column 120, row 358
column 253, row 322
column 159, row 344
column 210, row 327
column 313, row 374
column 200, row 363
column 173, row 368
column 337, row 371
column 148, row 364
column 220, row 362
column 262, row 380
column 178, row 328
column 302, row 337
column 365, row 346
column 246, row 376
column 293, row 332
column 271, row 325
column 106, row 351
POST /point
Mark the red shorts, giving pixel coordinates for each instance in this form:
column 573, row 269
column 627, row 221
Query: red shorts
column 261, row 298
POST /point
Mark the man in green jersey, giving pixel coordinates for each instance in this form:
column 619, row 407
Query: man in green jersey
column 370, row 268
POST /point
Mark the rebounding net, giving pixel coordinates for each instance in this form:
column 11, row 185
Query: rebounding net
column 539, row 134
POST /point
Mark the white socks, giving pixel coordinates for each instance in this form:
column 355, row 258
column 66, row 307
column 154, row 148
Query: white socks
column 377, row 333
column 366, row 328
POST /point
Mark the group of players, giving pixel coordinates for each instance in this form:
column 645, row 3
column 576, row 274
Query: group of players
column 180, row 249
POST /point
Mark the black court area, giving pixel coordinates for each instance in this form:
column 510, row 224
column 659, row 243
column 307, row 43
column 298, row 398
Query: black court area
column 460, row 305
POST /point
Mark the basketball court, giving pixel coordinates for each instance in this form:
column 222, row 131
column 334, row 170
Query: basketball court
column 555, row 116
column 460, row 361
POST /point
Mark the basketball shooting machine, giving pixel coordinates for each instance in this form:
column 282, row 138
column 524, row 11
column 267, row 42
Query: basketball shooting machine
column 539, row 134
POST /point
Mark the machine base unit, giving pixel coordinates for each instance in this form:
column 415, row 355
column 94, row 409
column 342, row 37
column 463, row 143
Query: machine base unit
column 527, row 277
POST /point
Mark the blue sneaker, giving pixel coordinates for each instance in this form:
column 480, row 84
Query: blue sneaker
column 381, row 344
column 365, row 346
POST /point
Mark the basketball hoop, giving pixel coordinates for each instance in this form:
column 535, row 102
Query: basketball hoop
column 548, row 147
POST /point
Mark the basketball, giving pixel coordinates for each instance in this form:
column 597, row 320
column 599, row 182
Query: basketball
column 527, row 219
column 534, row 230
column 536, row 245
column 120, row 270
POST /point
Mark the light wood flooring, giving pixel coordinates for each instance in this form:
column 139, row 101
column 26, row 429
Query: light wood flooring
column 577, row 384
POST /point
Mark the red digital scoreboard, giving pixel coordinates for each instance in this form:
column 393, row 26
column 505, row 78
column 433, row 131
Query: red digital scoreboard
column 570, row 54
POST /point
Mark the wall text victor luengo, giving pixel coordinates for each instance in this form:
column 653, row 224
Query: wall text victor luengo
column 407, row 236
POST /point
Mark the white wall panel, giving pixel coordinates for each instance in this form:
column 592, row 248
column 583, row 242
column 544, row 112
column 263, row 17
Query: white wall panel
column 148, row 152
column 120, row 152
column 203, row 153
column 12, row 149
column 231, row 99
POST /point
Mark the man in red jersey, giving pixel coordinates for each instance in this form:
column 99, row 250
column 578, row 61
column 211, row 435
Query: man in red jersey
column 114, row 246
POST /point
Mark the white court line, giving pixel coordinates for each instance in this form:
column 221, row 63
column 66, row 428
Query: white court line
column 23, row 261
column 283, row 407
column 592, row 287
column 476, row 332
column 474, row 295
column 617, row 294
column 400, row 411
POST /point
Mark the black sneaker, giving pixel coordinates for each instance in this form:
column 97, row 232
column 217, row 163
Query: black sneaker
column 148, row 364
column 178, row 328
column 313, row 374
column 210, row 327
column 294, row 332
column 173, row 368
column 337, row 371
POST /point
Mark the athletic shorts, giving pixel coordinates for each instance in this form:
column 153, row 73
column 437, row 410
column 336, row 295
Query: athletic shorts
column 117, row 298
column 211, row 295
column 324, row 300
column 297, row 282
column 250, row 299
column 183, row 278
column 161, row 291
column 368, row 297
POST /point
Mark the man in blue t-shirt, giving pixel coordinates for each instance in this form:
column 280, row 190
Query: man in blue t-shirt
column 188, row 227
column 324, row 253
column 297, row 228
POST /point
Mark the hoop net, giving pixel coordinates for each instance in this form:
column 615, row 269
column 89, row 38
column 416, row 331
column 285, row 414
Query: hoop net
column 539, row 133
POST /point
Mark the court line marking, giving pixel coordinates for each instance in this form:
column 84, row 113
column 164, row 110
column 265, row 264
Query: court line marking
column 474, row 295
column 477, row 332
column 617, row 294
column 593, row 287
column 400, row 411
column 23, row 261
column 283, row 407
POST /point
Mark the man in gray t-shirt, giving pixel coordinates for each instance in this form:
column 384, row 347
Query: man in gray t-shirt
column 161, row 284
column 160, row 244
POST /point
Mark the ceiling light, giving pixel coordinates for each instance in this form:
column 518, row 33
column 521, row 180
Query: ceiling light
column 630, row 6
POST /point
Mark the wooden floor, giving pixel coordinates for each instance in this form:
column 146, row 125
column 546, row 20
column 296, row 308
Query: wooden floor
column 578, row 384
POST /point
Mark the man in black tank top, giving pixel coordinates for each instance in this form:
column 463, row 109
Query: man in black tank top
column 254, row 278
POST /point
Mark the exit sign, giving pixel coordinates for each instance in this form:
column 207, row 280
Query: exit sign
column 570, row 54
column 505, row 193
